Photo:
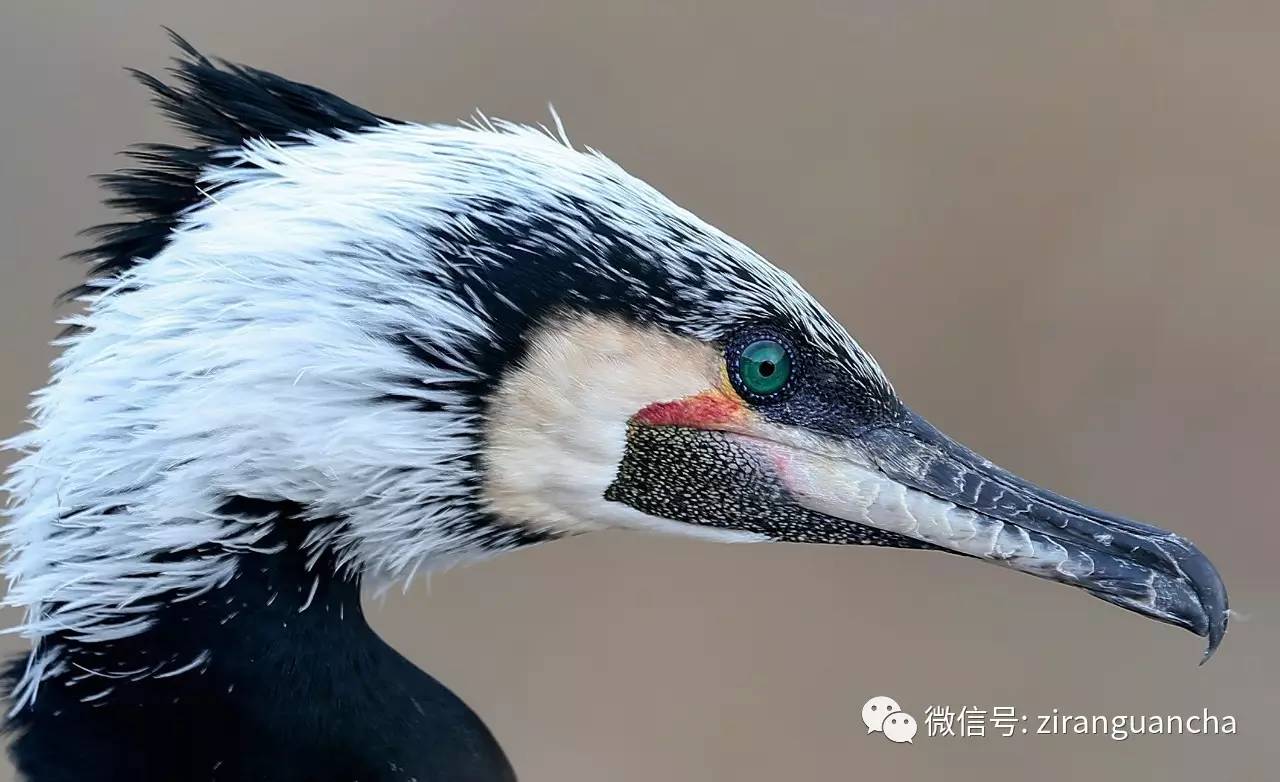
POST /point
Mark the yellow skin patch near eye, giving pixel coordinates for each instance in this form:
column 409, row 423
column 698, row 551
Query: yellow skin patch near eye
column 713, row 408
column 701, row 411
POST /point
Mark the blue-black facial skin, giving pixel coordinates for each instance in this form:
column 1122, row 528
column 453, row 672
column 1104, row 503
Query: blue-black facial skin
column 821, row 394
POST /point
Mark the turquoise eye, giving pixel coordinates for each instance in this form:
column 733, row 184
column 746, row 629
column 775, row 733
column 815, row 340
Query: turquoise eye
column 764, row 366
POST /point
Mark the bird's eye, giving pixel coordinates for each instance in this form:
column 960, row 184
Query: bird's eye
column 763, row 368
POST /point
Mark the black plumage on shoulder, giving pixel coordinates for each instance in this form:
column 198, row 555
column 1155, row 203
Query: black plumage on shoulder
column 222, row 106
column 292, row 685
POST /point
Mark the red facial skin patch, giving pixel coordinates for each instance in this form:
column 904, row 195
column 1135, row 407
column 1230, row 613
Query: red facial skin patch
column 707, row 410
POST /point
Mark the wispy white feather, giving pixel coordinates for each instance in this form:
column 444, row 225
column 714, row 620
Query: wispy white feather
column 249, row 356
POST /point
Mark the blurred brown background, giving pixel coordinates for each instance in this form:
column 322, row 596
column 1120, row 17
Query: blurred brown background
column 1054, row 223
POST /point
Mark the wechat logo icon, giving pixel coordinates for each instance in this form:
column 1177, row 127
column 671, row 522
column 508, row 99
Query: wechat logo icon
column 882, row 714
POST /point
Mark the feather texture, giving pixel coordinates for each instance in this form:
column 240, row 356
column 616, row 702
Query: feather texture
column 312, row 305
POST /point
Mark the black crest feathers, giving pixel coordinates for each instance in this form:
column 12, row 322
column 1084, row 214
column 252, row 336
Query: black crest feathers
column 221, row 105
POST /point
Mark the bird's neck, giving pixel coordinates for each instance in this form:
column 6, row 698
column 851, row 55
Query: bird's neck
column 274, row 676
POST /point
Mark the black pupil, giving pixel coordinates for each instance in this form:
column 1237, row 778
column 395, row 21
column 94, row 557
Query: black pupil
column 766, row 368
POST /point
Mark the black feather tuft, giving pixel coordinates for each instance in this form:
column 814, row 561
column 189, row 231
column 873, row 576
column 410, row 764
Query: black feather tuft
column 222, row 106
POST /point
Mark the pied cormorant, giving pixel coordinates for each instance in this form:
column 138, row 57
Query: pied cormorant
column 331, row 349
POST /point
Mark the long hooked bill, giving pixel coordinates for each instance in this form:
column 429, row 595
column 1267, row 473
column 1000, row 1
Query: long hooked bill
column 911, row 479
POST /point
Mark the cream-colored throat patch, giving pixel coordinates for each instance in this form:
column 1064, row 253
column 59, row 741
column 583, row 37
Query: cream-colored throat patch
column 557, row 424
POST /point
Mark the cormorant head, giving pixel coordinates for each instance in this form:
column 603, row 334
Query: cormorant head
column 442, row 342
